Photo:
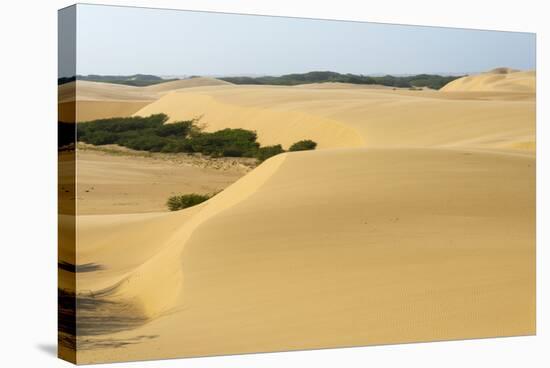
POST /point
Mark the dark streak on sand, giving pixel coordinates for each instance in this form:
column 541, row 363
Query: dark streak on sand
column 86, row 267
column 85, row 317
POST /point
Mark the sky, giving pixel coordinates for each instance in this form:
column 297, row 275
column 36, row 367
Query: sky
column 123, row 40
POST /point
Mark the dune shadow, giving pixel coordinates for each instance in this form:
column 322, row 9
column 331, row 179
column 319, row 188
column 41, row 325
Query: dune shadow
column 99, row 343
column 84, row 317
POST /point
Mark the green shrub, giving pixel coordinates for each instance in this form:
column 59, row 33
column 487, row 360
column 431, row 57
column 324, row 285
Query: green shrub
column 266, row 152
column 152, row 134
column 303, row 145
column 226, row 142
column 179, row 129
column 175, row 146
column 179, row 202
column 146, row 143
column 100, row 138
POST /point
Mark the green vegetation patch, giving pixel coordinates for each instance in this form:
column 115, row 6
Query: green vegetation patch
column 268, row 151
column 304, row 145
column 179, row 202
column 152, row 134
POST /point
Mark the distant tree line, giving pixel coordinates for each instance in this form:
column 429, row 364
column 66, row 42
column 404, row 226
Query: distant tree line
column 153, row 135
column 433, row 81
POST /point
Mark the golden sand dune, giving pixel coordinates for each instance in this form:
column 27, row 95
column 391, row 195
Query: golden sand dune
column 253, row 110
column 91, row 110
column 341, row 85
column 358, row 117
column 186, row 83
column 327, row 248
column 500, row 79
column 96, row 100
column 99, row 91
column 413, row 221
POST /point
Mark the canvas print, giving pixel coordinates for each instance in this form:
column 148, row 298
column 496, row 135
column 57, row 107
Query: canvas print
column 236, row 183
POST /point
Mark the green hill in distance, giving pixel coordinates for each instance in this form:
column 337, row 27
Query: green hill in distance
column 433, row 81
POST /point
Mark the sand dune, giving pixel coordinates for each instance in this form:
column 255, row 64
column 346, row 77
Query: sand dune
column 274, row 125
column 413, row 221
column 358, row 117
column 341, row 85
column 334, row 241
column 97, row 100
column 99, row 91
column 186, row 83
column 87, row 110
column 500, row 79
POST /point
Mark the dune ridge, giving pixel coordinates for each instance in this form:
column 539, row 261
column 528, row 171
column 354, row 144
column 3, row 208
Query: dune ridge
column 335, row 117
column 499, row 79
column 100, row 91
column 155, row 284
column 187, row 83
column 273, row 126
column 98, row 100
column 286, row 232
column 413, row 221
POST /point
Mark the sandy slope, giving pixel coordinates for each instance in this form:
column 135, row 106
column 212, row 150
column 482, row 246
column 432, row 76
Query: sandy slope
column 500, row 79
column 92, row 110
column 420, row 227
column 336, row 117
column 337, row 247
column 340, row 85
column 186, row 83
column 97, row 100
column 98, row 91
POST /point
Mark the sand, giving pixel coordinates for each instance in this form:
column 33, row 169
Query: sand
column 116, row 184
column 92, row 110
column 96, row 100
column 500, row 79
column 355, row 117
column 413, row 221
column 314, row 259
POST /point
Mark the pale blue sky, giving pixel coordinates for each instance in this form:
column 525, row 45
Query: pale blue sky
column 125, row 40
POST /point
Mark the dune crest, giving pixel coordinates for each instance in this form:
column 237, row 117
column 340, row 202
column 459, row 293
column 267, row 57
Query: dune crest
column 273, row 125
column 98, row 100
column 337, row 118
column 341, row 85
column 186, row 83
column 155, row 285
column 496, row 80
column 100, row 91
column 288, row 233
column 413, row 221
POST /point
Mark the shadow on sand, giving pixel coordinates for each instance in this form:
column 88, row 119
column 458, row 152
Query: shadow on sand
column 84, row 317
